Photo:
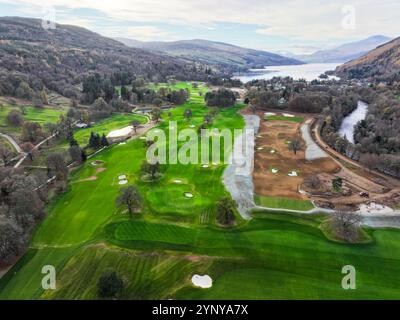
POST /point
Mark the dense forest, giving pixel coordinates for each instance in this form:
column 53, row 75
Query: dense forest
column 33, row 58
column 377, row 142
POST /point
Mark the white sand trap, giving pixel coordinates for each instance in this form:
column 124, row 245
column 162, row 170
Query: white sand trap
column 156, row 131
column 374, row 208
column 204, row 282
column 215, row 164
column 122, row 177
column 259, row 136
column 288, row 115
column 205, row 166
column 188, row 195
column 270, row 114
column 260, row 148
column 292, row 174
column 120, row 132
column 273, row 151
column 177, row 181
column 192, row 126
column 274, row 171
column 122, row 182
column 121, row 143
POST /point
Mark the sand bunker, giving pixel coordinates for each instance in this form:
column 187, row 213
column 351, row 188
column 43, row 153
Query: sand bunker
column 177, row 181
column 293, row 174
column 100, row 169
column 122, row 177
column 267, row 114
column 205, row 166
column 274, row 171
column 120, row 132
column 288, row 115
column 121, row 143
column 188, row 195
column 122, row 182
column 204, row 282
column 192, row 126
column 273, row 151
column 260, row 148
column 92, row 178
column 96, row 163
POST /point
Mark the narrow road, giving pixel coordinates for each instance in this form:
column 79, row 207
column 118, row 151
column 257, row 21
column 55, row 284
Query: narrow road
column 34, row 148
column 12, row 141
column 338, row 157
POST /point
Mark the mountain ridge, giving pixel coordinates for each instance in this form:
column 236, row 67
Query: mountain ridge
column 382, row 64
column 345, row 52
column 60, row 58
column 214, row 52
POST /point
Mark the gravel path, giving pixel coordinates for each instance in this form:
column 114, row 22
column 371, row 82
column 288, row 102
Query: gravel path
column 12, row 141
column 238, row 179
column 313, row 151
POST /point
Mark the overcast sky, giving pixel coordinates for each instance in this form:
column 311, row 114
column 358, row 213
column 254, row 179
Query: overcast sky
column 299, row 26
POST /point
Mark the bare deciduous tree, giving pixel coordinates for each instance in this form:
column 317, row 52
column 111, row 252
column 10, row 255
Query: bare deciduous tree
column 129, row 197
column 314, row 182
column 295, row 145
column 345, row 225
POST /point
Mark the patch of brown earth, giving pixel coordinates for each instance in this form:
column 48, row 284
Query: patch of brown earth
column 100, row 170
column 92, row 178
column 274, row 136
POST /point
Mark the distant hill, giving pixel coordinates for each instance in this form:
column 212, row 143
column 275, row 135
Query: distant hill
column 345, row 52
column 216, row 53
column 59, row 58
column 382, row 63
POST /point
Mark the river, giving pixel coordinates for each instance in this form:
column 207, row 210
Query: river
column 348, row 125
column 309, row 72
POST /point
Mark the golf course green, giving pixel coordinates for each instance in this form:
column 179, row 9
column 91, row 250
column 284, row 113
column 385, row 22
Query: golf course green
column 157, row 251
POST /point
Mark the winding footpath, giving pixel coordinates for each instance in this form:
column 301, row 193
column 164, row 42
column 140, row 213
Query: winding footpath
column 12, row 141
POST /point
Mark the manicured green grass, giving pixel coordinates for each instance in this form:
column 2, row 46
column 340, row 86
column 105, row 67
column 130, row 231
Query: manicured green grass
column 116, row 121
column 140, row 230
column 283, row 118
column 78, row 215
column 273, row 256
column 145, row 276
column 26, row 276
column 283, row 203
column 40, row 115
